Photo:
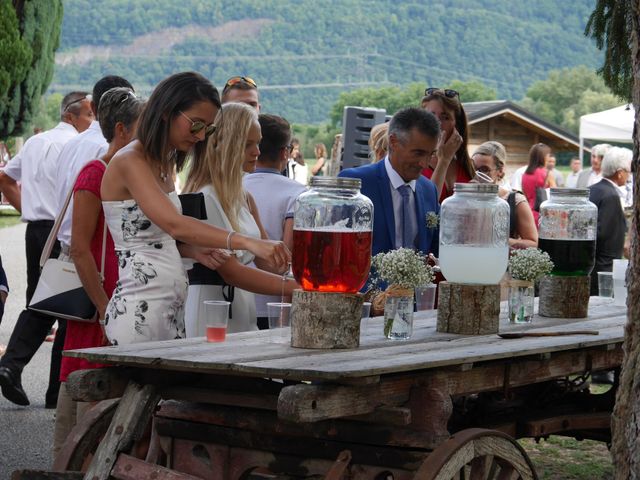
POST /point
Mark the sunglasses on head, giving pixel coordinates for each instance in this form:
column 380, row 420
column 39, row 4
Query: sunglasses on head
column 81, row 99
column 197, row 126
column 449, row 93
column 236, row 80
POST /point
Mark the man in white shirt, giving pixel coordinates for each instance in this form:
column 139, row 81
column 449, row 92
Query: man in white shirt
column 87, row 146
column 593, row 175
column 35, row 167
column 516, row 179
column 275, row 194
column 576, row 168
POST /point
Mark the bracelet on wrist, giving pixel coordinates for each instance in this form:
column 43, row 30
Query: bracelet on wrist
column 231, row 233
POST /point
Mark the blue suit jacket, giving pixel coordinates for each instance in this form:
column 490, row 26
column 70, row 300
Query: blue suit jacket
column 376, row 186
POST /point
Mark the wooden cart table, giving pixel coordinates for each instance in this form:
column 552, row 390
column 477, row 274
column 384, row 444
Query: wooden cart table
column 389, row 409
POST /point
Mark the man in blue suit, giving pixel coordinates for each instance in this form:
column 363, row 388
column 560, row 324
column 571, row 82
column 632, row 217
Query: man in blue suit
column 405, row 203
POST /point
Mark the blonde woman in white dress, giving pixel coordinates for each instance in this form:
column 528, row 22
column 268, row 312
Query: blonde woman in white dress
column 229, row 206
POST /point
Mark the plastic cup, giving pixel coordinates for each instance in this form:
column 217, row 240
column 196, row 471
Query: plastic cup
column 605, row 284
column 278, row 318
column 217, row 318
column 619, row 281
column 425, row 297
column 366, row 309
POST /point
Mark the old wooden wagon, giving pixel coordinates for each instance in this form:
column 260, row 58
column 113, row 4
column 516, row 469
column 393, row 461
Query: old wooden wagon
column 437, row 406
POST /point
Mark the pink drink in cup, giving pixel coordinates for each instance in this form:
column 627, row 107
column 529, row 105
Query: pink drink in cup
column 216, row 318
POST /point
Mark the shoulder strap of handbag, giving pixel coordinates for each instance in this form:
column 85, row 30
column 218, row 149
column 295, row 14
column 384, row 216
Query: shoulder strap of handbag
column 48, row 247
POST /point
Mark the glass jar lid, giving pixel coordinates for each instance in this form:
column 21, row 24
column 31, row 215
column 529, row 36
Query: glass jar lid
column 569, row 192
column 336, row 182
column 475, row 188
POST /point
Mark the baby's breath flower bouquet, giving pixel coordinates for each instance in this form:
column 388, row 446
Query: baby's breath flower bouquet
column 529, row 264
column 403, row 267
column 526, row 266
column 402, row 270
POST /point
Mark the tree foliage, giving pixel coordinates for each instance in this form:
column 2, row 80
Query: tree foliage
column 29, row 36
column 568, row 94
column 307, row 52
column 610, row 25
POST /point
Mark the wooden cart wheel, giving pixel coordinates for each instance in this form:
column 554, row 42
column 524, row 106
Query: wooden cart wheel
column 478, row 454
column 84, row 438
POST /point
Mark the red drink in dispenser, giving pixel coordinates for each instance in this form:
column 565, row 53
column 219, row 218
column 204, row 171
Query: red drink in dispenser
column 332, row 232
column 331, row 261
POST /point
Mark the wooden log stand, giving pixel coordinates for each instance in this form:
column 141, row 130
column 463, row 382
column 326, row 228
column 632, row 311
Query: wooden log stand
column 325, row 320
column 468, row 309
column 564, row 297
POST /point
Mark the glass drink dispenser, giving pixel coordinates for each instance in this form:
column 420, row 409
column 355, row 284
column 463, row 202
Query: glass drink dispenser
column 332, row 234
column 474, row 235
column 568, row 228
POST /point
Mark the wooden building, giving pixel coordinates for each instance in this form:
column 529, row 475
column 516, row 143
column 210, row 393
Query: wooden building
column 517, row 129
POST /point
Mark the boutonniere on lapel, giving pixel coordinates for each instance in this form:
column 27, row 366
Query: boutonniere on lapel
column 433, row 220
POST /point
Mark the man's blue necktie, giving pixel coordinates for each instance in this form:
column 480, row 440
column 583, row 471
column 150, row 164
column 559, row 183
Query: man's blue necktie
column 409, row 227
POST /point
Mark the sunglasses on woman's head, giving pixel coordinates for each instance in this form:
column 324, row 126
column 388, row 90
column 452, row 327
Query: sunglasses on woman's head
column 197, row 126
column 447, row 92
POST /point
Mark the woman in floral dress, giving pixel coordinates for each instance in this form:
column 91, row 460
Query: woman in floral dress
column 143, row 213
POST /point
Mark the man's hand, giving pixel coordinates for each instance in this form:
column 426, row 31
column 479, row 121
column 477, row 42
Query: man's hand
column 3, row 296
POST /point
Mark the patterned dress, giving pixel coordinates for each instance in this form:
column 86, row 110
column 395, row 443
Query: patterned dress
column 148, row 301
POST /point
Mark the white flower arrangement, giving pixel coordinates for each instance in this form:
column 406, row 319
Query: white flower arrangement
column 529, row 264
column 432, row 219
column 403, row 267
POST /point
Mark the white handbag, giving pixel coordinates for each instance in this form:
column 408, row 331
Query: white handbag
column 59, row 292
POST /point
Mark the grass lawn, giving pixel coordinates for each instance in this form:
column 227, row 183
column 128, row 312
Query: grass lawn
column 560, row 458
column 9, row 217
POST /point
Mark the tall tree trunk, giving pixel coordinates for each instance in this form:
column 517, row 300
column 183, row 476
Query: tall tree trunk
column 626, row 414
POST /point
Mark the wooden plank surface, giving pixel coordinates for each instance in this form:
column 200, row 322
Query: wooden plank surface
column 256, row 354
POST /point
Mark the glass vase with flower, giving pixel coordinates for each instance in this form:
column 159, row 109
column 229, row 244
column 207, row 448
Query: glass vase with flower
column 401, row 271
column 526, row 266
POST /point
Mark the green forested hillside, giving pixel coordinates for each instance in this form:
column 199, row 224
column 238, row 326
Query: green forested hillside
column 304, row 53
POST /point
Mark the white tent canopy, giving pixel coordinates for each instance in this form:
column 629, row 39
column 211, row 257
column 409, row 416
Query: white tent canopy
column 614, row 125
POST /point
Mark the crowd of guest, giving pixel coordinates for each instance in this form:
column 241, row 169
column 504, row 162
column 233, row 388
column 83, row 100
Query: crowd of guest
column 147, row 263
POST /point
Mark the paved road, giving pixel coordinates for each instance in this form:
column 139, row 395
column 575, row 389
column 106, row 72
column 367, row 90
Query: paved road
column 26, row 433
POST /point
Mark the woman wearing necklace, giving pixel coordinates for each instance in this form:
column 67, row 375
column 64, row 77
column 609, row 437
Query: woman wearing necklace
column 452, row 163
column 229, row 206
column 142, row 211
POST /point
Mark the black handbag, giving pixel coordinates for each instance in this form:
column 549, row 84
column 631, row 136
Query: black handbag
column 541, row 196
column 193, row 205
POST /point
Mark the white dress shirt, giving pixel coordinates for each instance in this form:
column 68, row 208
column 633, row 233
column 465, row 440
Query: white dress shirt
column 395, row 182
column 516, row 179
column 572, row 179
column 87, row 146
column 35, row 166
column 594, row 178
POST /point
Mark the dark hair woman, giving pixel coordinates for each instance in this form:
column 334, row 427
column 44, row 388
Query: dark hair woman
column 452, row 163
column 536, row 177
column 143, row 213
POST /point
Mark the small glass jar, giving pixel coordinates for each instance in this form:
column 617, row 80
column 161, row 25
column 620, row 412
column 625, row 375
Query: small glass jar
column 568, row 228
column 474, row 235
column 332, row 234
